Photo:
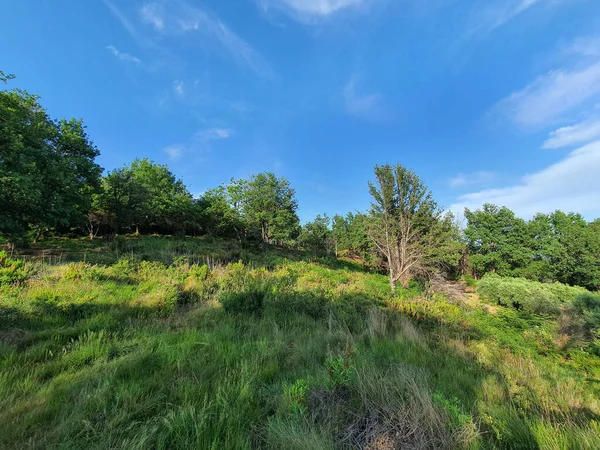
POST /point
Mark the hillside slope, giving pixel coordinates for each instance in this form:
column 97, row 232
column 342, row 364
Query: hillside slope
column 134, row 352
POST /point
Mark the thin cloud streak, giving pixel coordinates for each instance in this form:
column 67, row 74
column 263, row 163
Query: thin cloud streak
column 122, row 55
column 180, row 19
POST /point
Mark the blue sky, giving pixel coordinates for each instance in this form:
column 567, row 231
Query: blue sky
column 488, row 101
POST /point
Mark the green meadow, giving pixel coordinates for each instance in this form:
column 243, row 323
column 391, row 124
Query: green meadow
column 164, row 343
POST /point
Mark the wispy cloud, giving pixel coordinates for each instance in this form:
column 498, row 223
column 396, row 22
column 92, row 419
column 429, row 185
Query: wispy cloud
column 153, row 14
column 470, row 179
column 360, row 104
column 585, row 46
column 125, row 22
column 178, row 88
column 580, row 133
column 174, row 152
column 122, row 55
column 571, row 184
column 199, row 144
column 311, row 9
column 550, row 97
column 213, row 134
column 179, row 18
column 497, row 13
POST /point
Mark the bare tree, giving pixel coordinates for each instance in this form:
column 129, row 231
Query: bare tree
column 408, row 227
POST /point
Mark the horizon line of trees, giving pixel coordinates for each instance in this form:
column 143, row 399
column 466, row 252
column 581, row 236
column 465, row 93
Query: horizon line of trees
column 49, row 181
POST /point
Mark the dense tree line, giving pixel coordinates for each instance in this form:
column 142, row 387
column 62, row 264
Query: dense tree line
column 550, row 247
column 49, row 181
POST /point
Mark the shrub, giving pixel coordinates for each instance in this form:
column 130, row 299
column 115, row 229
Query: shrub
column 246, row 302
column 13, row 271
column 588, row 306
column 314, row 305
column 528, row 296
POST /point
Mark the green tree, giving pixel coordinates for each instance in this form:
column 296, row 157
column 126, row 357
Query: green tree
column 497, row 241
column 408, row 227
column 121, row 203
column 316, row 235
column 167, row 204
column 47, row 167
column 350, row 236
column 219, row 215
column 269, row 206
column 575, row 260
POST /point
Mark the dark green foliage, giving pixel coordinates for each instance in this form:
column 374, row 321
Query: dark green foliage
column 550, row 247
column 350, row 236
column 316, row 236
column 47, row 168
column 269, row 207
column 497, row 241
column 245, row 302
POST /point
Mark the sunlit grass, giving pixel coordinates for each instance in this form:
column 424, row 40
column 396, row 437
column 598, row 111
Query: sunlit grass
column 157, row 351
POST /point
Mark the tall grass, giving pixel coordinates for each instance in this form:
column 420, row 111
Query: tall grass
column 140, row 352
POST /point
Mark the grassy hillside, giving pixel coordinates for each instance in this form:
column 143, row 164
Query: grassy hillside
column 158, row 343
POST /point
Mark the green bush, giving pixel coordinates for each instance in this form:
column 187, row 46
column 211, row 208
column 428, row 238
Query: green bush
column 13, row 271
column 245, row 302
column 314, row 305
column 528, row 296
column 588, row 306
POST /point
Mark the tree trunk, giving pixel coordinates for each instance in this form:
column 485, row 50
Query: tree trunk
column 392, row 283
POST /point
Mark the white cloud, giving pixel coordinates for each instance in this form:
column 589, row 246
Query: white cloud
column 551, row 96
column 571, row 184
column 580, row 133
column 497, row 13
column 179, row 18
column 122, row 55
column 213, row 134
column 174, row 152
column 318, row 8
column 587, row 46
column 178, row 88
column 153, row 14
column 480, row 177
column 198, row 144
column 357, row 104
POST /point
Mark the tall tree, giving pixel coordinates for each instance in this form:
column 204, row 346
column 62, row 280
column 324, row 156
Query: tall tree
column 47, row 167
column 498, row 241
column 316, row 235
column 408, row 227
column 269, row 205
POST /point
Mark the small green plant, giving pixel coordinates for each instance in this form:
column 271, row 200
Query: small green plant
column 340, row 370
column 470, row 281
column 453, row 408
column 13, row 271
column 295, row 397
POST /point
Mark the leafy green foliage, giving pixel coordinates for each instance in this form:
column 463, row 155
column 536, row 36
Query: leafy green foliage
column 408, row 227
column 550, row 247
column 13, row 271
column 269, row 207
column 47, row 168
column 315, row 236
column 529, row 296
